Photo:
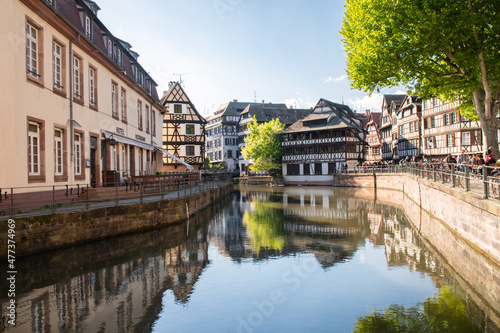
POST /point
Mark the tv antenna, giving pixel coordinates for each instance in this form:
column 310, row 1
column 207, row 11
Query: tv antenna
column 180, row 77
column 255, row 96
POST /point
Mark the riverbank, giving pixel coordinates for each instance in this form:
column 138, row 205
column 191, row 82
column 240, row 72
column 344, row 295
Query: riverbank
column 41, row 233
column 467, row 215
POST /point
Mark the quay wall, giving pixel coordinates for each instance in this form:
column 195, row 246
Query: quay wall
column 36, row 234
column 469, row 217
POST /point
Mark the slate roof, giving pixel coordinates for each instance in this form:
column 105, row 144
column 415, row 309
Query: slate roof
column 69, row 11
column 266, row 112
column 337, row 117
column 375, row 118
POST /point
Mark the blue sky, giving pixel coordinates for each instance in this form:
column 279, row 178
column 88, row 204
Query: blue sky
column 284, row 50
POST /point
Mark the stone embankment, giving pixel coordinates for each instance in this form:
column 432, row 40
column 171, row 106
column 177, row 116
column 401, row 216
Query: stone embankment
column 35, row 234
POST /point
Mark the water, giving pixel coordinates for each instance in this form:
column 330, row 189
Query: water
column 285, row 260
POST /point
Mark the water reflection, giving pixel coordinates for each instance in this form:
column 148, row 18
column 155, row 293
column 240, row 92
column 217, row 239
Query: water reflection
column 233, row 256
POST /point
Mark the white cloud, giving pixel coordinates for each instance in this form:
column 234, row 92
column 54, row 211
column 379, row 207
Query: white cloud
column 335, row 79
column 299, row 103
column 373, row 102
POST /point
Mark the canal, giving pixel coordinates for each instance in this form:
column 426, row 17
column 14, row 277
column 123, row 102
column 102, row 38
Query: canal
column 291, row 259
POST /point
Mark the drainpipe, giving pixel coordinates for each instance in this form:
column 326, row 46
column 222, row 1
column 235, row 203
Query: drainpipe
column 71, row 129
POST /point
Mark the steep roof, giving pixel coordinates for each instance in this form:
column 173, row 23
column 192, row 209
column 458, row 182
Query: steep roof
column 336, row 117
column 374, row 118
column 266, row 112
column 176, row 93
column 69, row 11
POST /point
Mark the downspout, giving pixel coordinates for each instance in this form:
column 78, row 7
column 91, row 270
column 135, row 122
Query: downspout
column 71, row 129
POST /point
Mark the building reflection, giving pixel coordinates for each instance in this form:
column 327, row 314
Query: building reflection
column 123, row 296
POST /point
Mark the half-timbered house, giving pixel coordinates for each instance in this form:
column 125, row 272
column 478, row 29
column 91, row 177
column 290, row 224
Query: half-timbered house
column 329, row 140
column 183, row 131
column 373, row 138
column 409, row 129
column 446, row 132
column 386, row 123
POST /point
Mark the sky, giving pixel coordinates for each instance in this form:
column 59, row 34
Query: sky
column 279, row 51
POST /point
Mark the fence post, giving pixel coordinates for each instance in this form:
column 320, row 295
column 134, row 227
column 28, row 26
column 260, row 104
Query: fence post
column 467, row 178
column 12, row 214
column 53, row 199
column 141, row 188
column 485, row 183
column 87, row 202
column 452, row 175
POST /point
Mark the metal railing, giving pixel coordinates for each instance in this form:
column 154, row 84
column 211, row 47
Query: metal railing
column 19, row 202
column 478, row 179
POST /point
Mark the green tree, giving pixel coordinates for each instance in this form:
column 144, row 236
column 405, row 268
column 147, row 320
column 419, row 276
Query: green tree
column 207, row 163
column 263, row 144
column 438, row 48
column 445, row 312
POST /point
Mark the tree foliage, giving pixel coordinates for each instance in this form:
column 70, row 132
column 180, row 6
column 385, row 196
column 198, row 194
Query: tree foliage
column 443, row 48
column 263, row 144
column 445, row 312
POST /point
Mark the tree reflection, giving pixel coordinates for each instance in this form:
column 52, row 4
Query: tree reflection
column 264, row 225
column 445, row 312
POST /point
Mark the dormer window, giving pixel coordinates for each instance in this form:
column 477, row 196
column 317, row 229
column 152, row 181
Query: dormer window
column 110, row 48
column 88, row 27
column 119, row 57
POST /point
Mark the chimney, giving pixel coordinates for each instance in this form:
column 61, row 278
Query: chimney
column 263, row 102
column 235, row 100
column 367, row 112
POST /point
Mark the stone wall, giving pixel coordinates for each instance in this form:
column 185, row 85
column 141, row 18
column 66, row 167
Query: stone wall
column 475, row 220
column 52, row 231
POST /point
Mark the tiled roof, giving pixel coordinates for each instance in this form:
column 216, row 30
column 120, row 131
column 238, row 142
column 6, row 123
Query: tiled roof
column 266, row 112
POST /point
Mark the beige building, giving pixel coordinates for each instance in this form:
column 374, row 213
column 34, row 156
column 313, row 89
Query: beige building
column 77, row 107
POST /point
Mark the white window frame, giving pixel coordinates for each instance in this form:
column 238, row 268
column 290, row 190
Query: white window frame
column 110, row 48
column 34, row 150
column 92, row 100
column 32, row 55
column 57, row 59
column 466, row 138
column 139, row 114
column 146, row 114
column 114, row 112
column 76, row 77
column 122, row 104
column 88, row 27
column 191, row 147
column 78, row 154
column 58, row 152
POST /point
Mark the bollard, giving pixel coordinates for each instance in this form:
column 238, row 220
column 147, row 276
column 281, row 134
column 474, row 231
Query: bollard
column 485, row 184
column 467, row 178
column 452, row 169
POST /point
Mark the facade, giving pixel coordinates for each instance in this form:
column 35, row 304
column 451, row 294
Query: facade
column 409, row 134
column 183, row 131
column 222, row 135
column 77, row 105
column 373, row 138
column 446, row 132
column 263, row 113
column 329, row 140
column 390, row 103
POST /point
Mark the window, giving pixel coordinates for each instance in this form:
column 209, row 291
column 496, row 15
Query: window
column 113, row 152
column 110, row 48
column 411, row 127
column 32, row 52
column 139, row 115
column 88, row 27
column 92, row 87
column 57, row 63
column 147, row 118
column 430, row 142
column 33, row 149
column 318, row 169
column 124, row 160
column 77, row 93
column 465, row 138
column 123, row 104
column 189, row 150
column 230, row 153
column 189, row 129
column 177, row 108
column 447, row 118
column 307, row 169
column 453, row 117
column 114, row 111
column 58, row 150
column 153, row 125
column 450, row 139
column 292, row 169
column 119, row 57
column 78, row 154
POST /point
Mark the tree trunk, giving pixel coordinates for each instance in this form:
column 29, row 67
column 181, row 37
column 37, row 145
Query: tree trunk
column 489, row 125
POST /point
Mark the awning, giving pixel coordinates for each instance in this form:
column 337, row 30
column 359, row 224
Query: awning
column 123, row 139
column 174, row 157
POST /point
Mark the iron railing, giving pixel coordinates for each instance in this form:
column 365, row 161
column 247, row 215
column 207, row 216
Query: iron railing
column 19, row 202
column 478, row 179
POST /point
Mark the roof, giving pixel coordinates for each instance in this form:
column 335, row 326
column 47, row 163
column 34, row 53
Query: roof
column 389, row 98
column 337, row 117
column 374, row 118
column 176, row 93
column 69, row 11
column 266, row 112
